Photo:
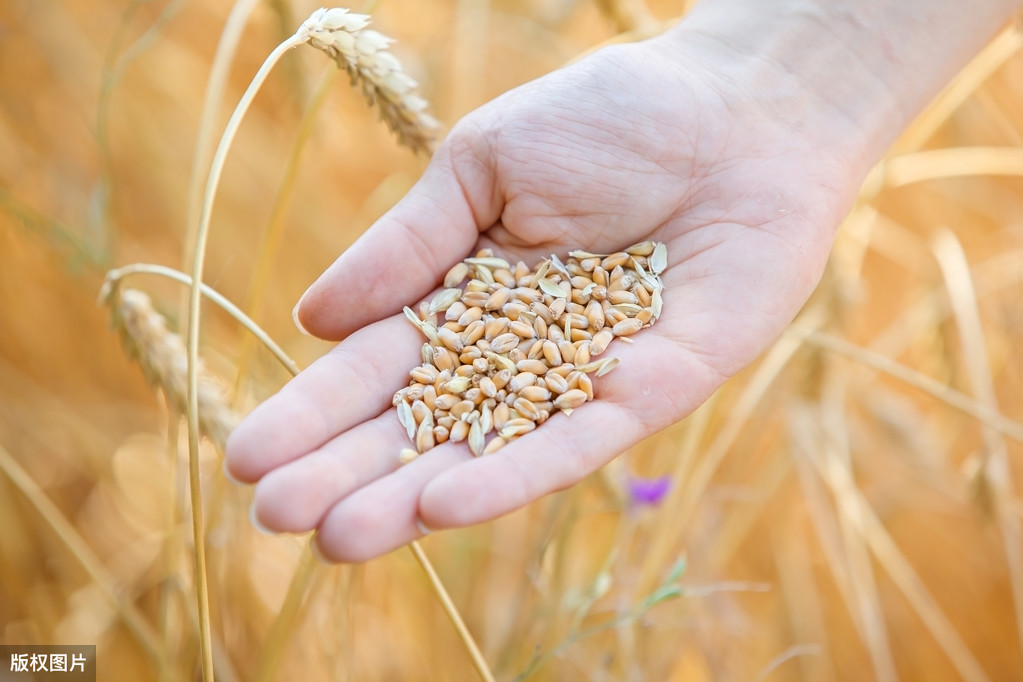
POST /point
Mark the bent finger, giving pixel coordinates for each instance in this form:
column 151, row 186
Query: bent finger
column 560, row 454
column 654, row 385
column 295, row 497
column 383, row 515
column 353, row 382
column 408, row 250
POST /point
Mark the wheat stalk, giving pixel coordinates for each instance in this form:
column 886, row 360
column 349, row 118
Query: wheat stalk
column 192, row 346
column 627, row 15
column 220, row 69
column 161, row 354
column 134, row 620
column 271, row 241
column 362, row 52
column 115, row 276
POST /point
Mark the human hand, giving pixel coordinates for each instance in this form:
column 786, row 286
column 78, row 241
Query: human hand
column 745, row 182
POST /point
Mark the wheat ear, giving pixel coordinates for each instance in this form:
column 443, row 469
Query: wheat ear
column 362, row 52
column 384, row 82
column 161, row 354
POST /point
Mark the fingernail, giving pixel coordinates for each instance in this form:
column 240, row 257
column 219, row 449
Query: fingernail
column 227, row 473
column 294, row 316
column 255, row 521
column 422, row 526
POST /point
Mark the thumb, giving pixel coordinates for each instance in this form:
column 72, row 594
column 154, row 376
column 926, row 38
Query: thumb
column 406, row 252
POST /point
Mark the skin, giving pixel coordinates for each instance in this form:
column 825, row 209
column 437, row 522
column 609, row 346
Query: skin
column 739, row 139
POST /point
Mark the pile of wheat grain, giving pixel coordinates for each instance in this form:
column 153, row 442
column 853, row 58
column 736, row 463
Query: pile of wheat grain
column 516, row 343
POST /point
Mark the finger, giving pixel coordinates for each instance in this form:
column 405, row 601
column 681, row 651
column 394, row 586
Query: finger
column 295, row 497
column 407, row 251
column 382, row 516
column 385, row 514
column 654, row 385
column 354, row 382
column 559, row 454
column 447, row 487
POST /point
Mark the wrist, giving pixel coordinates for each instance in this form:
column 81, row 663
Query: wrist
column 850, row 76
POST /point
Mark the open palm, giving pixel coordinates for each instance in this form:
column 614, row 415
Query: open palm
column 633, row 143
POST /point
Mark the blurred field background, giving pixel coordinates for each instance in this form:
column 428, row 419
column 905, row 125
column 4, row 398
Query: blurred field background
column 847, row 509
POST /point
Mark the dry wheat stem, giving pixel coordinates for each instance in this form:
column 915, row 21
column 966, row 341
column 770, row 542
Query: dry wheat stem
column 362, row 52
column 995, row 466
column 963, row 298
column 818, row 475
column 161, row 354
column 80, row 550
column 275, row 640
column 192, row 402
column 858, row 511
column 936, row 164
column 213, row 180
column 227, row 46
column 115, row 276
column 802, row 597
column 478, row 661
column 946, row 394
column 821, row 513
column 518, row 344
column 835, row 435
column 991, row 58
column 199, row 252
column 275, row 224
column 222, row 664
column 990, row 277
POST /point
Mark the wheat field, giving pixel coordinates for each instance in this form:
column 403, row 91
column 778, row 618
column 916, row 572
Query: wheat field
column 847, row 508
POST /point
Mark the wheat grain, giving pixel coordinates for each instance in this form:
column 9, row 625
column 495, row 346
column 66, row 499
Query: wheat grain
column 516, row 342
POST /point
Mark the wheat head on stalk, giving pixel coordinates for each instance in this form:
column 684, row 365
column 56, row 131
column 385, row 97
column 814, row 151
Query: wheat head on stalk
column 362, row 52
column 161, row 354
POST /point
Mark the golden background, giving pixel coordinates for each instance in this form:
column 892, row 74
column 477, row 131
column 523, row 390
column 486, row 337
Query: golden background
column 847, row 507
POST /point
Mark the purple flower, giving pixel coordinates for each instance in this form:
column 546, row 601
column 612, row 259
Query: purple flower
column 647, row 491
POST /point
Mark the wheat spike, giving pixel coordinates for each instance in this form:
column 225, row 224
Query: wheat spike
column 161, row 354
column 362, row 52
